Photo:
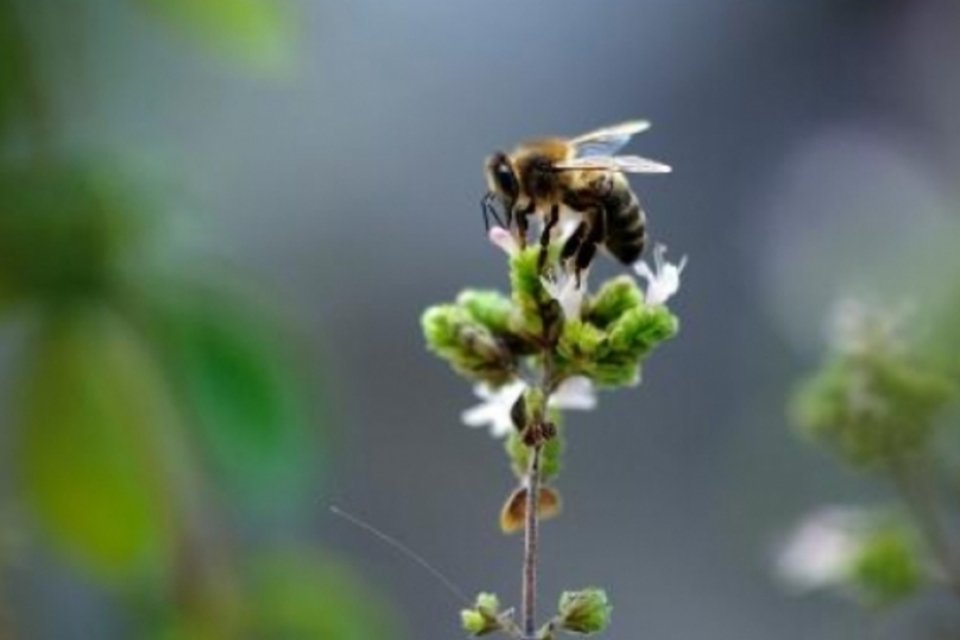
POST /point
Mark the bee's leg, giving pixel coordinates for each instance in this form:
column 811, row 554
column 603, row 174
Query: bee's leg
column 523, row 225
column 552, row 220
column 588, row 247
column 572, row 245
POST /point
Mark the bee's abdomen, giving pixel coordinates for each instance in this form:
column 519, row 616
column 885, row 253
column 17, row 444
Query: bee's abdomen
column 626, row 232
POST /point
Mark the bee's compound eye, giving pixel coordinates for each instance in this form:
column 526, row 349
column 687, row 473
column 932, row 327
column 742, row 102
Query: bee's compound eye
column 506, row 180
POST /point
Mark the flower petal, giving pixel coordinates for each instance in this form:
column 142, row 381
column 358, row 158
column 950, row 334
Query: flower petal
column 576, row 393
column 502, row 238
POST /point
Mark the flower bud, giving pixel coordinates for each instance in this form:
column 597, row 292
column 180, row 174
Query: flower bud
column 585, row 612
column 483, row 618
column 470, row 348
column 615, row 297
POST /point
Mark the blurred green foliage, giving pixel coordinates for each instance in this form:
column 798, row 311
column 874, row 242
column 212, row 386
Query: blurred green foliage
column 881, row 401
column 243, row 390
column 257, row 32
column 873, row 408
column 91, row 448
column 159, row 406
column 887, row 567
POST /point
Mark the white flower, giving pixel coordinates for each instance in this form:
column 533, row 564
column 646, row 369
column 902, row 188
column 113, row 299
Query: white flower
column 563, row 288
column 495, row 408
column 821, row 551
column 502, row 238
column 575, row 393
column 663, row 280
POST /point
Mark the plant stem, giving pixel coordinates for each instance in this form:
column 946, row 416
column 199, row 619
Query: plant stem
column 913, row 484
column 530, row 545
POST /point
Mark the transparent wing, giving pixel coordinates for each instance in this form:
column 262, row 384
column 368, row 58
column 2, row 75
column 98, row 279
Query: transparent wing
column 626, row 164
column 608, row 140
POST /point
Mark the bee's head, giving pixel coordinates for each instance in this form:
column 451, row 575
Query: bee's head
column 503, row 189
column 501, row 178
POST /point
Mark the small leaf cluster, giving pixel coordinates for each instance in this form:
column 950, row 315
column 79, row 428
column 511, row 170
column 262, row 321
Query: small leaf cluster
column 485, row 336
column 484, row 617
column 584, row 612
column 616, row 333
column 873, row 408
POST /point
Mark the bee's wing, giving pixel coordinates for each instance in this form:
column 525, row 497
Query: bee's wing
column 608, row 140
column 626, row 164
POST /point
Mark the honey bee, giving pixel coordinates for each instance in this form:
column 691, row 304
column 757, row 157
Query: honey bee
column 580, row 175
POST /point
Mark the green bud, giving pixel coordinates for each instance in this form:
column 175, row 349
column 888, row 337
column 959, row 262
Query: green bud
column 529, row 295
column 470, row 348
column 483, row 618
column 616, row 297
column 489, row 308
column 585, row 612
column 580, row 344
column 550, row 454
column 641, row 329
column 886, row 568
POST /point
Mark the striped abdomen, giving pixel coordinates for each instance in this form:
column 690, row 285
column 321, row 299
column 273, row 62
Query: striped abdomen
column 626, row 223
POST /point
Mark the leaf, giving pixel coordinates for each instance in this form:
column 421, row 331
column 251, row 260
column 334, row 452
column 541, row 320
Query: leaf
column 240, row 390
column 90, row 452
column 254, row 31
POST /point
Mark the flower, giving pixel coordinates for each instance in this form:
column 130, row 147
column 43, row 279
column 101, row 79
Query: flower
column 564, row 289
column 495, row 408
column 823, row 550
column 502, row 238
column 576, row 393
column 663, row 280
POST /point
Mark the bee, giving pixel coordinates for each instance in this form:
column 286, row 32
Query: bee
column 580, row 175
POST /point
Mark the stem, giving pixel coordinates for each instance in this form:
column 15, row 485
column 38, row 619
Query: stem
column 913, row 484
column 530, row 545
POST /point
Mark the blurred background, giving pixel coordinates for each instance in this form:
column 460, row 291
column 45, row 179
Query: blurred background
column 221, row 220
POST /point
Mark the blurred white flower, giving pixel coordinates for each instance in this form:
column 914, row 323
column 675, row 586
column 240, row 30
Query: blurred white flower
column 858, row 327
column 664, row 279
column 563, row 288
column 502, row 238
column 575, row 393
column 821, row 551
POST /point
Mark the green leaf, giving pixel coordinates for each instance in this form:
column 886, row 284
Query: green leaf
column 241, row 390
column 91, row 452
column 257, row 32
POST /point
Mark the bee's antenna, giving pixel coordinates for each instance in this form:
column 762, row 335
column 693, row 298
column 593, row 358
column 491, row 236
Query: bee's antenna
column 404, row 550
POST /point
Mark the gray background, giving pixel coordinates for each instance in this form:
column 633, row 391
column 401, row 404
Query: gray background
column 799, row 132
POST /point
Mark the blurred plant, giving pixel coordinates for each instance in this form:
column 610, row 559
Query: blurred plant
column 150, row 385
column 540, row 351
column 879, row 403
